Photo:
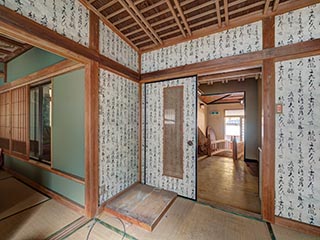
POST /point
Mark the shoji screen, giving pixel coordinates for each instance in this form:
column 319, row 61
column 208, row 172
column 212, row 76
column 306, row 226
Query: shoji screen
column 5, row 100
column 19, row 120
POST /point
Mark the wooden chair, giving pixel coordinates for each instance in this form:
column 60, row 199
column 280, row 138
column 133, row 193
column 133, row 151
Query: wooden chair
column 216, row 146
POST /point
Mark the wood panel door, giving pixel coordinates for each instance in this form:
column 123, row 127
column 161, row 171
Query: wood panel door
column 170, row 135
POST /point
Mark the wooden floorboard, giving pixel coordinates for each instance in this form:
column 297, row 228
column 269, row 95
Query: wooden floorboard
column 223, row 181
column 188, row 220
column 16, row 197
column 141, row 205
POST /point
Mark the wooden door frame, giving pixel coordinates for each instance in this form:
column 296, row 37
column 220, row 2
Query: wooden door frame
column 21, row 28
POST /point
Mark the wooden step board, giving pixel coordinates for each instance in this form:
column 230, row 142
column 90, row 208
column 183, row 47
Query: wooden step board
column 141, row 205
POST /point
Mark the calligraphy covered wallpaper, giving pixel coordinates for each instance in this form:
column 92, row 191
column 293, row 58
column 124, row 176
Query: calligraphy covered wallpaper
column 153, row 137
column 118, row 134
column 297, row 26
column 240, row 40
column 68, row 18
column 112, row 46
column 298, row 140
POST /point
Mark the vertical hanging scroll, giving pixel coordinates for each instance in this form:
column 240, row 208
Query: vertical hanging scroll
column 173, row 131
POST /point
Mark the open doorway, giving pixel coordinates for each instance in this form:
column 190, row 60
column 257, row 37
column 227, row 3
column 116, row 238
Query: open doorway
column 229, row 136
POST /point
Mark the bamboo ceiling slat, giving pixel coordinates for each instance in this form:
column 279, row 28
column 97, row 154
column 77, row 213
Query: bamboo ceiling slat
column 147, row 23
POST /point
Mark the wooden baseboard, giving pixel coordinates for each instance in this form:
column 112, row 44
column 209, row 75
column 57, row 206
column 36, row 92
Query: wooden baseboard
column 70, row 204
column 298, row 226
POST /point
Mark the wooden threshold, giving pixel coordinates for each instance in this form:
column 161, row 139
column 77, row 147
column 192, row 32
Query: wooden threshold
column 298, row 226
column 141, row 205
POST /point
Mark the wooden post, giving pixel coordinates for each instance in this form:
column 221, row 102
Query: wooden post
column 268, row 125
column 234, row 148
column 92, row 124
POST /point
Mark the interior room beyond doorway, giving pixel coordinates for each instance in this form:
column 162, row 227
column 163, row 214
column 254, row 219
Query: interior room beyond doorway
column 229, row 133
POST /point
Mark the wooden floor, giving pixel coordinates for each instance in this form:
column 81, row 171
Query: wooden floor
column 224, row 182
column 142, row 205
column 185, row 220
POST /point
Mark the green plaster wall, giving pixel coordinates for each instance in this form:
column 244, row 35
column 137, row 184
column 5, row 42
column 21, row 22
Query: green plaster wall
column 29, row 62
column 68, row 122
column 68, row 188
column 1, row 69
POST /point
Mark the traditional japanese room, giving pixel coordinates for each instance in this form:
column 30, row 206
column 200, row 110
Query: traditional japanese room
column 160, row 119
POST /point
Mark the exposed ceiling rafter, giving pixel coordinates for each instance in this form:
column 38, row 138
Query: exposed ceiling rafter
column 184, row 20
column 175, row 17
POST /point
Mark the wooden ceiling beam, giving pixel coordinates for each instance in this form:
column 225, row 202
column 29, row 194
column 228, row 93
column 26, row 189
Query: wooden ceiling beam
column 197, row 7
column 142, row 18
column 184, row 20
column 115, row 13
column 4, row 51
column 157, row 4
column 161, row 21
column 109, row 4
column 166, row 27
column 226, row 12
column 133, row 13
column 266, row 7
column 199, row 15
column 275, row 5
column 169, row 33
column 108, row 23
column 202, row 22
column 139, row 30
column 218, row 13
column 220, row 98
column 130, row 26
column 16, row 53
column 12, row 42
column 176, row 17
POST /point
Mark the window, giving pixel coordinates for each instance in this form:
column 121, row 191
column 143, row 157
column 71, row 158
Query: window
column 40, row 122
column 5, row 127
column 234, row 124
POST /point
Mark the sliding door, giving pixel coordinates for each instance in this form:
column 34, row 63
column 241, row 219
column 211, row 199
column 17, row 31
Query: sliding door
column 170, row 130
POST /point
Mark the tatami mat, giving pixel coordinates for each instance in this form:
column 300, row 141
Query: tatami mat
column 283, row 233
column 38, row 222
column 4, row 174
column 16, row 196
column 100, row 231
column 187, row 220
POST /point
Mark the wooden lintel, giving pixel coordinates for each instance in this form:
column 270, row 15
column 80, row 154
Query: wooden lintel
column 26, row 30
column 249, row 59
column 235, row 74
column 49, row 72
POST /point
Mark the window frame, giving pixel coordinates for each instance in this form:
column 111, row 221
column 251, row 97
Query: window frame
column 40, row 86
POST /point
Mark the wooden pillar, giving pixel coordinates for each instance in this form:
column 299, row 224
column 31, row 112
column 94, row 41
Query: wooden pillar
column 92, row 124
column 268, row 126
